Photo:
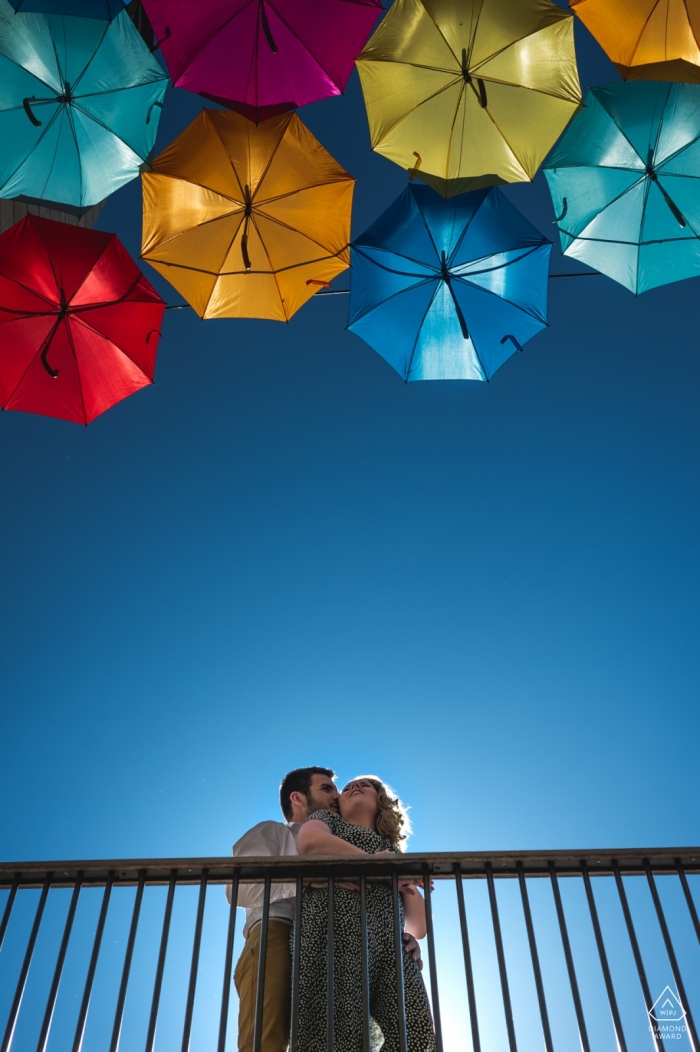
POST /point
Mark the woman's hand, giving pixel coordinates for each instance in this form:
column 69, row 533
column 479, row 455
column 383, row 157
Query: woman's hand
column 413, row 908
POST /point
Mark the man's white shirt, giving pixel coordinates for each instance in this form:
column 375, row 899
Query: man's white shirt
column 273, row 839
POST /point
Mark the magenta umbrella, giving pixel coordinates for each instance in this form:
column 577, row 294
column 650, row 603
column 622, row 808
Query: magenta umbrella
column 262, row 57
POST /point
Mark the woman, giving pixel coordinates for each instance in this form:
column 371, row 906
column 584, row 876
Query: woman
column 371, row 821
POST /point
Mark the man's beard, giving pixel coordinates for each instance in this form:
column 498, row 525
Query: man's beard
column 323, row 805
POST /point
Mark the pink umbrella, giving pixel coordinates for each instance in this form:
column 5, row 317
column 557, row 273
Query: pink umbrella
column 262, row 57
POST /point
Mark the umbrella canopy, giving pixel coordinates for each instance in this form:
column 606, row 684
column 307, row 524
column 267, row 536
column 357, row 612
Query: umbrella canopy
column 646, row 39
column 104, row 9
column 246, row 221
column 80, row 102
column 262, row 57
column 625, row 183
column 448, row 290
column 79, row 322
column 470, row 92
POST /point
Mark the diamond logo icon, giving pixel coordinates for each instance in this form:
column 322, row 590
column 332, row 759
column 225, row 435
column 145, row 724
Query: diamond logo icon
column 667, row 1008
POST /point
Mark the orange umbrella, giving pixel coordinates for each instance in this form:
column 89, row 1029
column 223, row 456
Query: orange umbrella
column 246, row 221
column 646, row 39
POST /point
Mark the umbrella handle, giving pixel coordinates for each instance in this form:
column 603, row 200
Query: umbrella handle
column 53, row 373
column 162, row 40
column 28, row 110
column 150, row 110
column 565, row 210
column 482, row 93
column 514, row 341
column 244, row 251
column 156, row 331
column 317, row 281
column 266, row 29
column 412, row 172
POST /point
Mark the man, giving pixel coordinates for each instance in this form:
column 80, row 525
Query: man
column 303, row 791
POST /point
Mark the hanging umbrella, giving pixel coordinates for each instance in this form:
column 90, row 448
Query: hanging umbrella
column 625, row 183
column 246, row 221
column 262, row 57
column 80, row 102
column 470, row 93
column 448, row 290
column 79, row 322
column 103, row 9
column 646, row 39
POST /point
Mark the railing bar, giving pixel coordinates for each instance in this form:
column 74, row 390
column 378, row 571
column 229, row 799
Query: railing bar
column 542, row 1001
column 646, row 992
column 688, row 898
column 228, row 964
column 469, row 972
column 398, row 951
column 294, row 1031
column 194, row 966
column 24, row 971
column 507, row 1007
column 126, row 969
column 578, row 1008
column 595, row 920
column 432, row 958
column 262, row 960
column 364, row 956
column 330, row 969
column 8, row 908
column 160, row 967
column 58, row 970
column 90, row 977
column 671, row 956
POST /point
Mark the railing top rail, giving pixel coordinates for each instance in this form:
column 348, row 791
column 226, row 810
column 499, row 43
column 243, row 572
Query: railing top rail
column 472, row 864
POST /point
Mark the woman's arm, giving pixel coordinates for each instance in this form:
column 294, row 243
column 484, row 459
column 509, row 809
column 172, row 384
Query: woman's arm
column 413, row 909
column 315, row 838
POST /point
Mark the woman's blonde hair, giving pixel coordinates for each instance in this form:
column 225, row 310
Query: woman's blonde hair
column 393, row 822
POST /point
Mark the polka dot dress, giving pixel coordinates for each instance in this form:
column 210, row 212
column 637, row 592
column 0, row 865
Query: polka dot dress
column 348, row 964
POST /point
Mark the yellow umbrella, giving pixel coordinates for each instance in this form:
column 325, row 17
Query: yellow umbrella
column 246, row 221
column 470, row 93
column 646, row 39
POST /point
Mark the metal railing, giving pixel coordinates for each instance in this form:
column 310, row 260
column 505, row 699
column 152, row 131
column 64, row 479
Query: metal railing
column 582, row 935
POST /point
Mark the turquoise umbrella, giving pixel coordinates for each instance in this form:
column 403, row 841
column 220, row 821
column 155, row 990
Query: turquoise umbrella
column 625, row 183
column 80, row 102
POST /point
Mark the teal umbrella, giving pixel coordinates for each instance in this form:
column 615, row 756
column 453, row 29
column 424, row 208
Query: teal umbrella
column 625, row 183
column 80, row 102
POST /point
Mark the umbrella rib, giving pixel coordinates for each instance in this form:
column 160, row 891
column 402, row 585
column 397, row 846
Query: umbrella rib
column 392, row 270
column 418, row 104
column 101, row 335
column 643, row 30
column 197, row 226
column 272, row 269
column 217, row 273
column 690, row 23
column 623, row 133
column 208, row 39
column 77, row 369
column 452, row 130
column 303, row 189
column 297, row 37
column 415, row 342
column 286, row 226
column 27, row 156
column 468, row 224
column 101, row 124
column 489, row 292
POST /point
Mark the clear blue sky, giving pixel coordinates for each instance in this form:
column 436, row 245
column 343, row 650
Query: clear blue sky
column 280, row 554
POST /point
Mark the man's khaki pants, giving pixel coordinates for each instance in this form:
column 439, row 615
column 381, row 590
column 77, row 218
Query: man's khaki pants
column 277, row 1001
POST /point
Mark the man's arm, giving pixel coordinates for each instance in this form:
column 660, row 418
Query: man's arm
column 315, row 838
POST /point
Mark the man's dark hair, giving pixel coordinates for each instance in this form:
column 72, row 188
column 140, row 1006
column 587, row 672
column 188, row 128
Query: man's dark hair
column 298, row 781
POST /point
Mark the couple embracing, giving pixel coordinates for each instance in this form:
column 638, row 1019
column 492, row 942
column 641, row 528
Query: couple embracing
column 366, row 818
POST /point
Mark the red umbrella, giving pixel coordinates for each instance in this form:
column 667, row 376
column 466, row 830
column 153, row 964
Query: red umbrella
column 79, row 322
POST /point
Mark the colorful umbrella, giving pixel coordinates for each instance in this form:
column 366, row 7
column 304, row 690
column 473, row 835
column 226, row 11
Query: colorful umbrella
column 625, row 183
column 80, row 102
column 448, row 290
column 246, row 221
column 103, row 9
column 262, row 57
column 470, row 93
column 646, row 39
column 79, row 323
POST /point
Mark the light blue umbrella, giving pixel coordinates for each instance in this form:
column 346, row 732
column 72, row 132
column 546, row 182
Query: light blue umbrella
column 104, row 9
column 625, row 183
column 80, row 102
column 448, row 290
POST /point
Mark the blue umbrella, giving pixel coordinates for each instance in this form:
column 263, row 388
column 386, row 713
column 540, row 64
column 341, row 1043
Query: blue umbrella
column 80, row 102
column 448, row 290
column 104, row 9
column 625, row 183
